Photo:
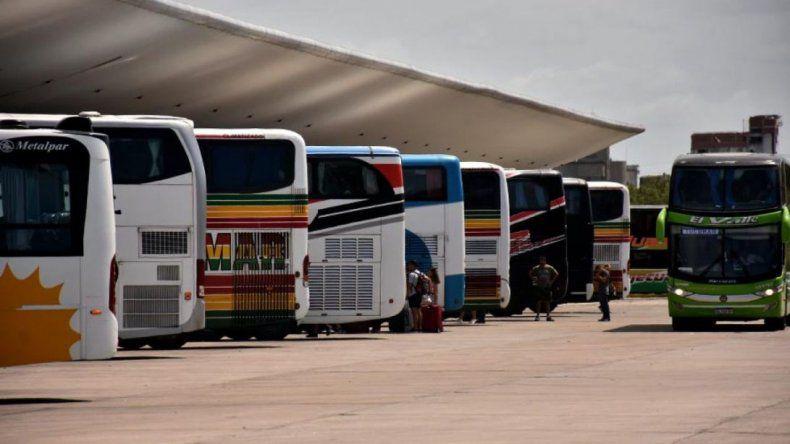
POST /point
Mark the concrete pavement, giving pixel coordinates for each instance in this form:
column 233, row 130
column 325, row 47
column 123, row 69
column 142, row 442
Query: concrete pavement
column 574, row 380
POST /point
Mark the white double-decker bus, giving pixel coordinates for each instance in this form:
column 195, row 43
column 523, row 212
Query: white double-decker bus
column 160, row 213
column 611, row 210
column 435, row 222
column 256, row 243
column 356, row 234
column 487, row 228
column 57, row 241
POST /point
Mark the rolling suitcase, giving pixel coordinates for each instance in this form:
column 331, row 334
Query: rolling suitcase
column 432, row 319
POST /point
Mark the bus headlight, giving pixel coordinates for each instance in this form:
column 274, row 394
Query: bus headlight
column 770, row 291
column 678, row 292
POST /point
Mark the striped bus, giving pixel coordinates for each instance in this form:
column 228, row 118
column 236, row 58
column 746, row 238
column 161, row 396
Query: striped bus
column 611, row 209
column 256, row 239
column 487, row 230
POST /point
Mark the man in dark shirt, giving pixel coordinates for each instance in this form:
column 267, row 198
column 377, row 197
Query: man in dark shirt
column 543, row 275
column 603, row 284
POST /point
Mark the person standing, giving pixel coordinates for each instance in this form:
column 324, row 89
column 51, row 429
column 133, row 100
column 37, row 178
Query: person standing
column 603, row 285
column 414, row 292
column 543, row 276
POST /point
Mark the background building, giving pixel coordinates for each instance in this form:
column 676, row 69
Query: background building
column 599, row 166
column 762, row 137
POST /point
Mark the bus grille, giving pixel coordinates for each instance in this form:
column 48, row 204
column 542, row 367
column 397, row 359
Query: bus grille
column 479, row 247
column 263, row 283
column 168, row 272
column 349, row 248
column 414, row 249
column 606, row 252
column 341, row 287
column 150, row 306
column 482, row 286
column 164, row 243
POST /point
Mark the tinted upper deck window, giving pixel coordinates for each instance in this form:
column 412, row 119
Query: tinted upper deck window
column 606, row 204
column 481, row 190
column 345, row 178
column 247, row 165
column 425, row 183
column 143, row 155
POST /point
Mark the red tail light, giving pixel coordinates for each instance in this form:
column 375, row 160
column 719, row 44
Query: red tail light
column 306, row 268
column 200, row 285
column 113, row 281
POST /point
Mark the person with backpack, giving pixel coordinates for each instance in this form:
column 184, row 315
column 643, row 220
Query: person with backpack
column 543, row 275
column 603, row 288
column 417, row 286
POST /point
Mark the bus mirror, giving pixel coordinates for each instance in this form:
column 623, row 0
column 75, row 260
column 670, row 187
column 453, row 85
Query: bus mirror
column 785, row 225
column 661, row 224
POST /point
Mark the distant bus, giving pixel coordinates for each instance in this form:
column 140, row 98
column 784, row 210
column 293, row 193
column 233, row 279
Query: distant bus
column 435, row 221
column 649, row 256
column 578, row 218
column 487, row 230
column 356, row 231
column 57, row 242
column 537, row 228
column 159, row 187
column 728, row 226
column 611, row 209
column 256, row 242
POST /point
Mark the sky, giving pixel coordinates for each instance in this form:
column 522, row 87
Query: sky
column 673, row 67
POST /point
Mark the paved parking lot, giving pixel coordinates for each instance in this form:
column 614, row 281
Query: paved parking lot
column 574, row 380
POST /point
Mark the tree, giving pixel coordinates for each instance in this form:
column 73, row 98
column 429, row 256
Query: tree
column 652, row 190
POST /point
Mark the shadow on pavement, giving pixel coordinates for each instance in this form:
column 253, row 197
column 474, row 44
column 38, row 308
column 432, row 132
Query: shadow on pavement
column 231, row 346
column 142, row 358
column 667, row 328
column 26, row 401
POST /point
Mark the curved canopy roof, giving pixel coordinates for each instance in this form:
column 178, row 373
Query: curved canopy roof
column 160, row 57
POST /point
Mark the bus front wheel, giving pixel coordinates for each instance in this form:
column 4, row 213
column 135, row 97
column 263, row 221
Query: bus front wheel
column 775, row 324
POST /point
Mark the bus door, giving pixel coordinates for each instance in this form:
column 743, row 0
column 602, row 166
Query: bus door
column 57, row 241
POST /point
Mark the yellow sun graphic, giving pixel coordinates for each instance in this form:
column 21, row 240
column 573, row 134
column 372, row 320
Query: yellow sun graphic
column 34, row 327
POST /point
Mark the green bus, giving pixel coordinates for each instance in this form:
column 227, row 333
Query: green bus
column 728, row 225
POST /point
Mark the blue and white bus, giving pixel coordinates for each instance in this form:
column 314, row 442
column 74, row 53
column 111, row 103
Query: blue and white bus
column 435, row 222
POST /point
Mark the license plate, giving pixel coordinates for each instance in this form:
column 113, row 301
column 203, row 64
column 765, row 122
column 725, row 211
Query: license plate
column 723, row 311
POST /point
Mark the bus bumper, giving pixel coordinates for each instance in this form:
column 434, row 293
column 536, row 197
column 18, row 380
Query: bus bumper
column 760, row 308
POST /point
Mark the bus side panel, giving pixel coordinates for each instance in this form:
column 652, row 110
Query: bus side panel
column 425, row 239
column 454, row 253
column 503, row 252
column 393, row 275
column 39, row 310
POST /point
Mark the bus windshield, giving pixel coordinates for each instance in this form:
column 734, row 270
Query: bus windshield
column 715, row 254
column 527, row 195
column 606, row 205
column 41, row 209
column 725, row 188
column 481, row 190
column 247, row 165
column 425, row 184
column 345, row 178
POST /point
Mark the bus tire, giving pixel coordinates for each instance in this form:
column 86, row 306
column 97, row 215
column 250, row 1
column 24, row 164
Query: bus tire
column 273, row 332
column 173, row 342
column 132, row 344
column 775, row 324
column 240, row 335
column 681, row 324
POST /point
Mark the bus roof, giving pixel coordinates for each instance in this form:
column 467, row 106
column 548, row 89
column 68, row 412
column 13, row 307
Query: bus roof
column 95, row 117
column 729, row 159
column 603, row 185
column 573, row 181
column 481, row 166
column 247, row 133
column 531, row 173
column 430, row 159
column 378, row 151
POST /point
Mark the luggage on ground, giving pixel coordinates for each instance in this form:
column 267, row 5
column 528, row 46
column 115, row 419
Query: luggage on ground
column 432, row 319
